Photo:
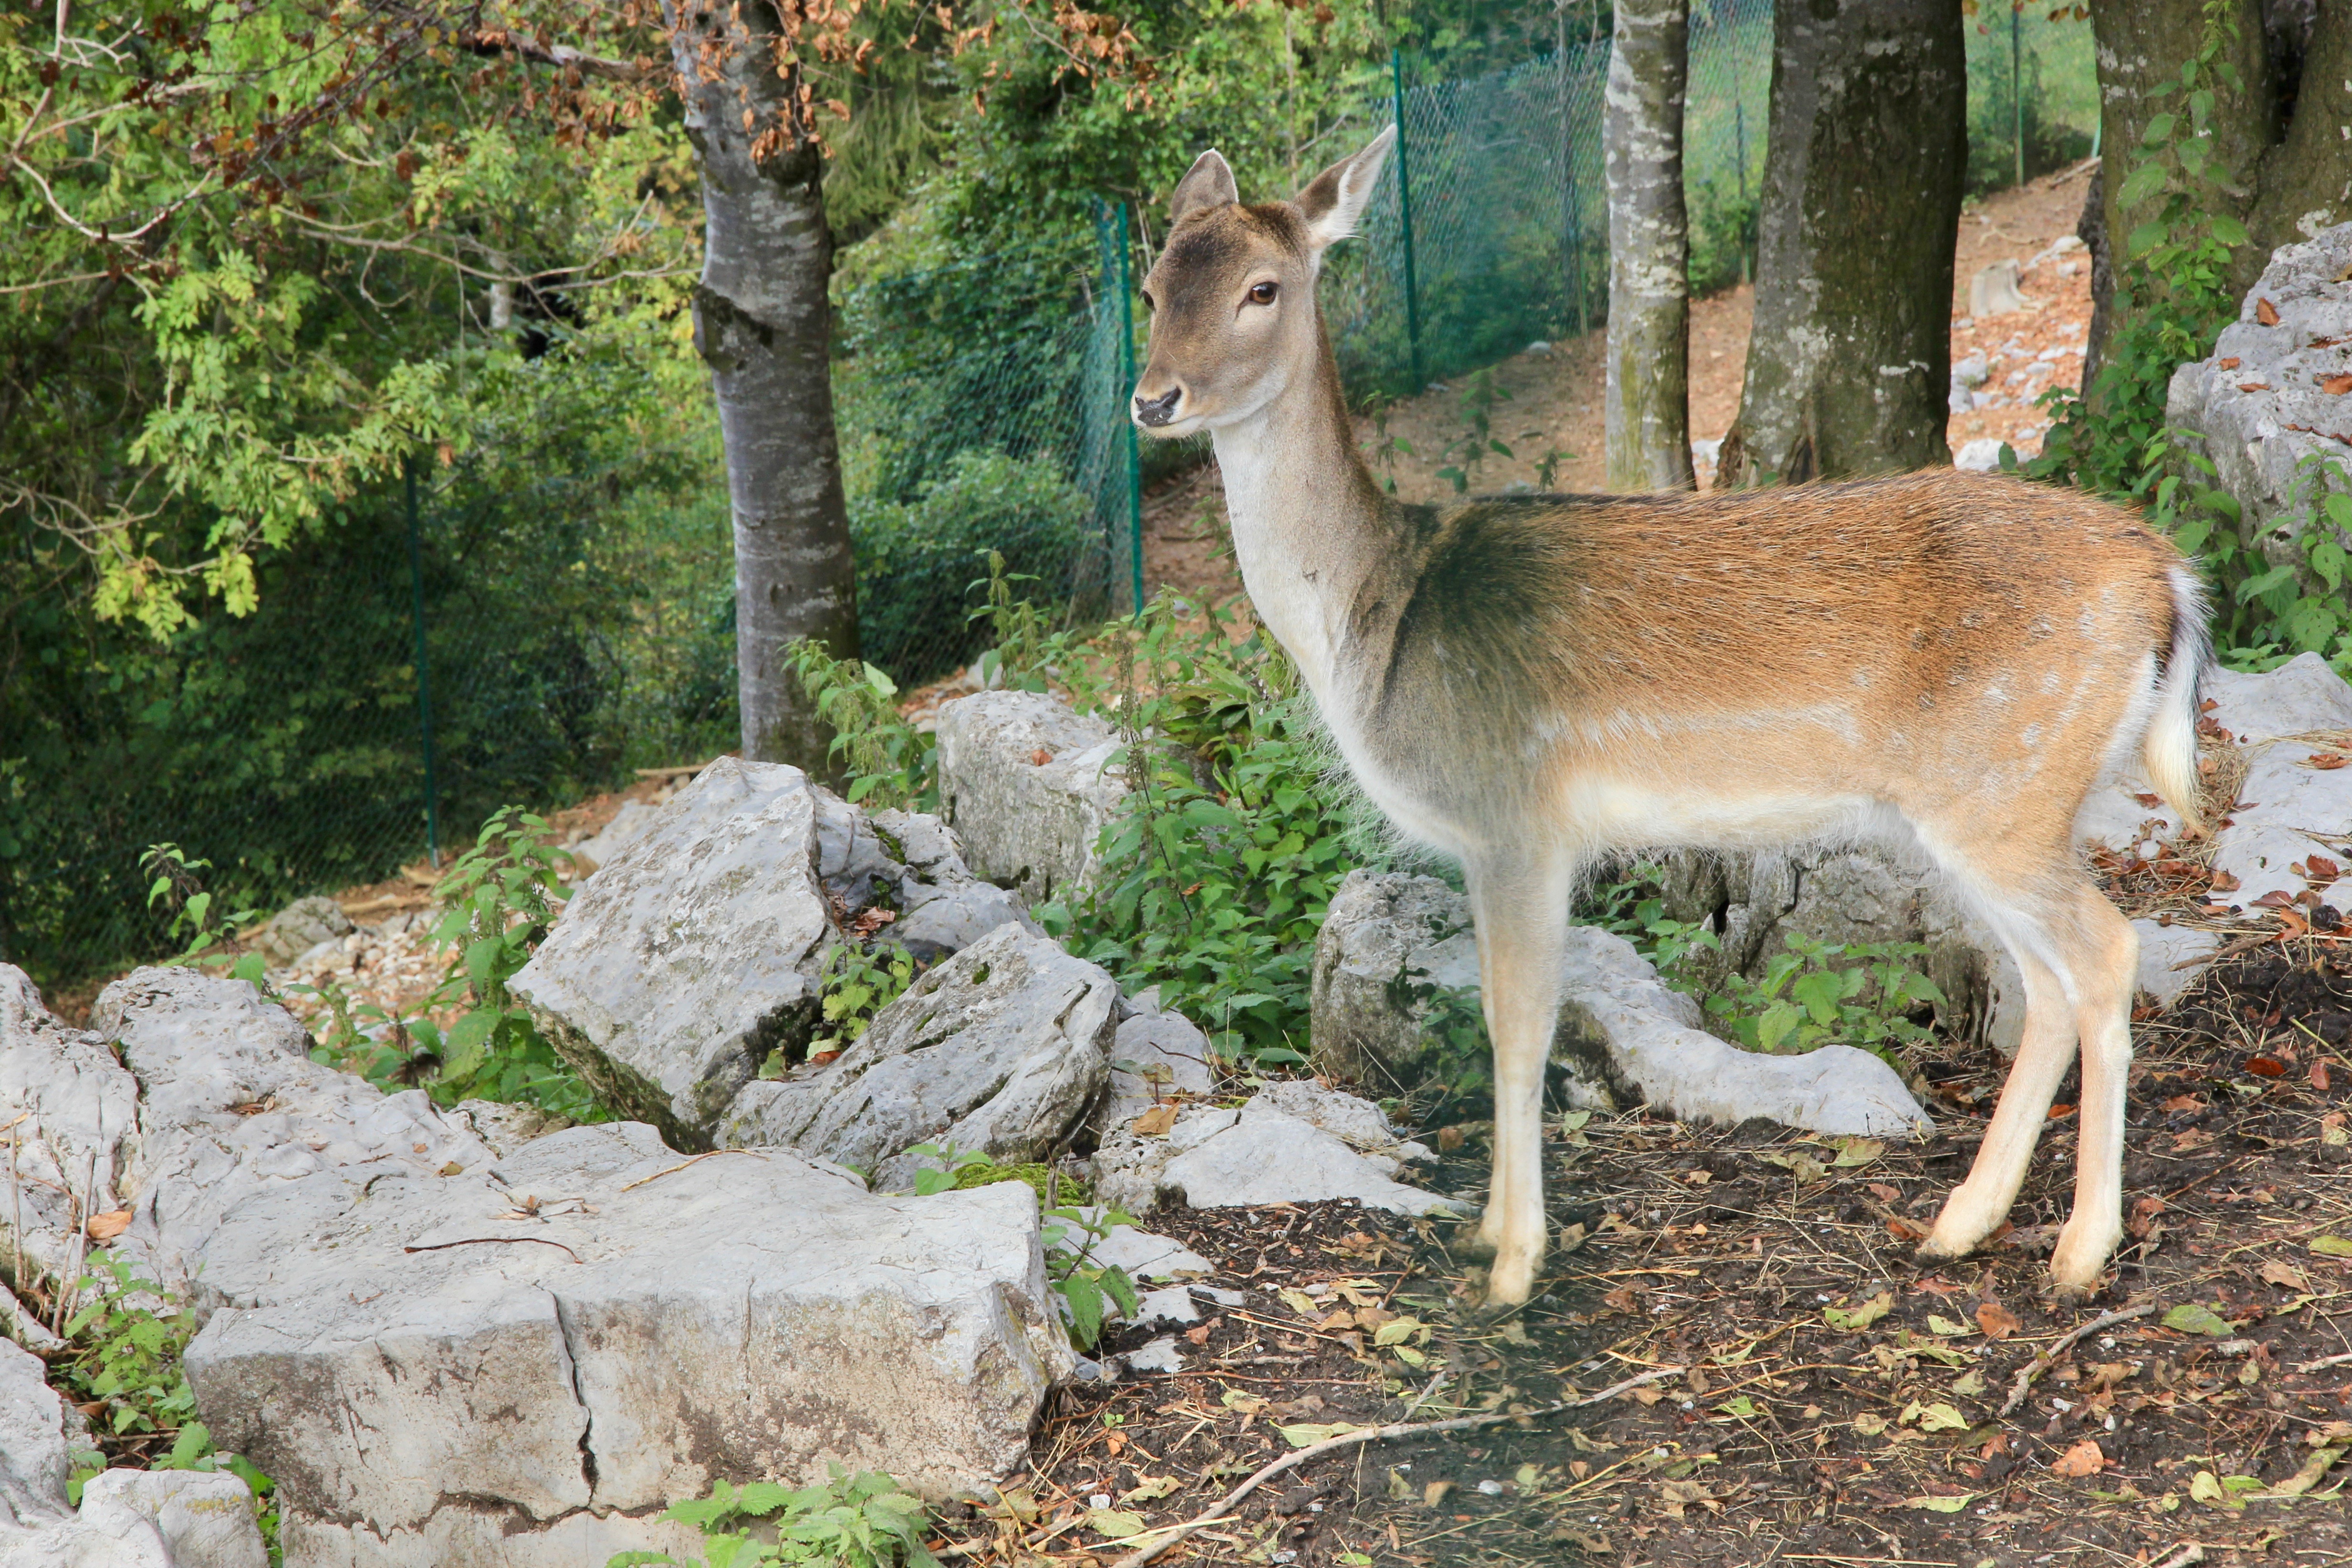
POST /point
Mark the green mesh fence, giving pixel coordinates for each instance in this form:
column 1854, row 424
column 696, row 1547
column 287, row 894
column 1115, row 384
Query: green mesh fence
column 982, row 407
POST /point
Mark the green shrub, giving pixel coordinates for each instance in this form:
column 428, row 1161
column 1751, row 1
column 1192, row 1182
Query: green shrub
column 922, row 564
column 864, row 1520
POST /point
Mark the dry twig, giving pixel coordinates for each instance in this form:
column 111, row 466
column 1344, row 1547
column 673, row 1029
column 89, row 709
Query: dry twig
column 2065, row 1342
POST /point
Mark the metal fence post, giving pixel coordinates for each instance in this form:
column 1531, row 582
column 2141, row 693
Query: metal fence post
column 1126, row 391
column 1404, row 218
column 2017, row 84
column 423, row 675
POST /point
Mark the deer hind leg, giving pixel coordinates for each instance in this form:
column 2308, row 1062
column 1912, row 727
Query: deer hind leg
column 2079, row 957
column 1520, row 908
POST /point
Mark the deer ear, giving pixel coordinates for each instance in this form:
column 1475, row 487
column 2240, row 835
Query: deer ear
column 1207, row 183
column 1336, row 199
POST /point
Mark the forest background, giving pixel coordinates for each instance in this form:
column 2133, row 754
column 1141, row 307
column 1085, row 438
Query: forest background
column 322, row 325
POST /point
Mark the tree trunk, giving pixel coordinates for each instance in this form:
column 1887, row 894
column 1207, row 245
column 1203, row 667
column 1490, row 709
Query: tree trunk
column 2091, row 228
column 2141, row 47
column 1849, row 367
column 764, row 324
column 1648, row 399
column 2307, row 179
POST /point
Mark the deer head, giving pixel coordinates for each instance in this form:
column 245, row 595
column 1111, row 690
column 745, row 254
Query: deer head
column 1232, row 295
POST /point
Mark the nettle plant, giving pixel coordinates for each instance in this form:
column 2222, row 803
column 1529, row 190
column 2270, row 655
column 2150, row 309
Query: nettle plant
column 862, row 1520
column 470, row 1037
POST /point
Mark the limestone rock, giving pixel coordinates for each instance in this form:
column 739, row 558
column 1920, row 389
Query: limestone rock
column 909, row 863
column 302, row 927
column 205, row 1518
column 1157, row 1053
column 2256, row 402
column 432, row 1380
column 232, row 1106
column 2287, row 800
column 1623, row 1035
column 699, row 948
column 1993, row 291
column 2170, row 958
column 79, row 1129
column 1389, row 945
column 1001, row 1049
column 685, row 958
column 634, row 817
column 1615, row 1008
column 35, row 1450
column 1027, row 823
column 1256, row 1155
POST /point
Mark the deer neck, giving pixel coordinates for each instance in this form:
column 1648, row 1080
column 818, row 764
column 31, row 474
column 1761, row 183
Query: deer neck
column 1309, row 525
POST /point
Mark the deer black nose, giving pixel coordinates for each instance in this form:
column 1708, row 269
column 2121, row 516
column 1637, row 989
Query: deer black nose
column 1156, row 411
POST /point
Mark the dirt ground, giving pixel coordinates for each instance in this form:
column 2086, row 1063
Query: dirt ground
column 1555, row 394
column 1820, row 1398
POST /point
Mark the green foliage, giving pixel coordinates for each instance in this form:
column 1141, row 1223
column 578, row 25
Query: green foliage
column 1221, row 861
column 2270, row 612
column 193, row 926
column 864, row 1520
column 916, row 556
column 126, row 1344
column 857, row 984
column 888, row 763
column 1087, row 1288
column 1477, row 439
column 1815, row 994
column 497, row 900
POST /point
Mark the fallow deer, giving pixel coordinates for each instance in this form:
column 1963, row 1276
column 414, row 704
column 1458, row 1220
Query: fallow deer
column 1527, row 682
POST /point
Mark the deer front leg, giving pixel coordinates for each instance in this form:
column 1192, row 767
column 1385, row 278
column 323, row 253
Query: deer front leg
column 1521, row 914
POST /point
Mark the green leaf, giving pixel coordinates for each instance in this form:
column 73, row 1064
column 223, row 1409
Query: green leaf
column 1854, row 1320
column 2158, row 132
column 2141, row 183
column 2143, row 239
column 1114, row 1524
column 1306, row 1434
column 2227, row 229
column 2193, row 1318
column 1948, row 1327
column 2331, row 1246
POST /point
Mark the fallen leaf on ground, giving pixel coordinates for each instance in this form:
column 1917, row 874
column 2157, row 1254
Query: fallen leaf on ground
column 1306, row 1434
column 2266, row 313
column 1155, row 1122
column 107, row 1227
column 1996, row 1320
column 1434, row 1493
column 1114, row 1524
column 1852, row 1152
column 2274, row 1272
column 2336, row 386
column 1952, row 1504
column 1869, row 1425
column 1854, row 1320
column 1950, row 1328
column 2085, row 1458
column 2331, row 1246
column 2190, row 1317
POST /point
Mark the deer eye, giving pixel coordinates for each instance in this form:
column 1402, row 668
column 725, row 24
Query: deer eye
column 1149, row 302
column 1262, row 293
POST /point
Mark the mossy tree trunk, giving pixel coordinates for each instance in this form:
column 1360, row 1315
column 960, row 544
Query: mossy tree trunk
column 1648, row 397
column 763, row 323
column 1849, row 367
column 2277, row 158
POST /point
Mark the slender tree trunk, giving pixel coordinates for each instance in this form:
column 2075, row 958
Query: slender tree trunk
column 1648, row 398
column 763, row 323
column 1849, row 367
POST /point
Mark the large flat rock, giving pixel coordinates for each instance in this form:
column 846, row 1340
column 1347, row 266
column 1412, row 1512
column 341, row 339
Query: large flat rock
column 427, row 1361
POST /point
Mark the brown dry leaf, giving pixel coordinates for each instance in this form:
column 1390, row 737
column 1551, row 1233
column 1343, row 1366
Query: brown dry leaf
column 2085, row 1458
column 1996, row 1320
column 1644, row 1395
column 2319, row 1075
column 1434, row 1493
column 1882, row 1192
column 2195, row 1138
column 2254, row 387
column 1623, row 1299
column 2229, row 364
column 2266, row 313
column 2287, row 1275
column 2328, row 762
column 1040, row 757
column 2336, row 386
column 107, row 1227
column 1571, row 1236
column 1154, row 1123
